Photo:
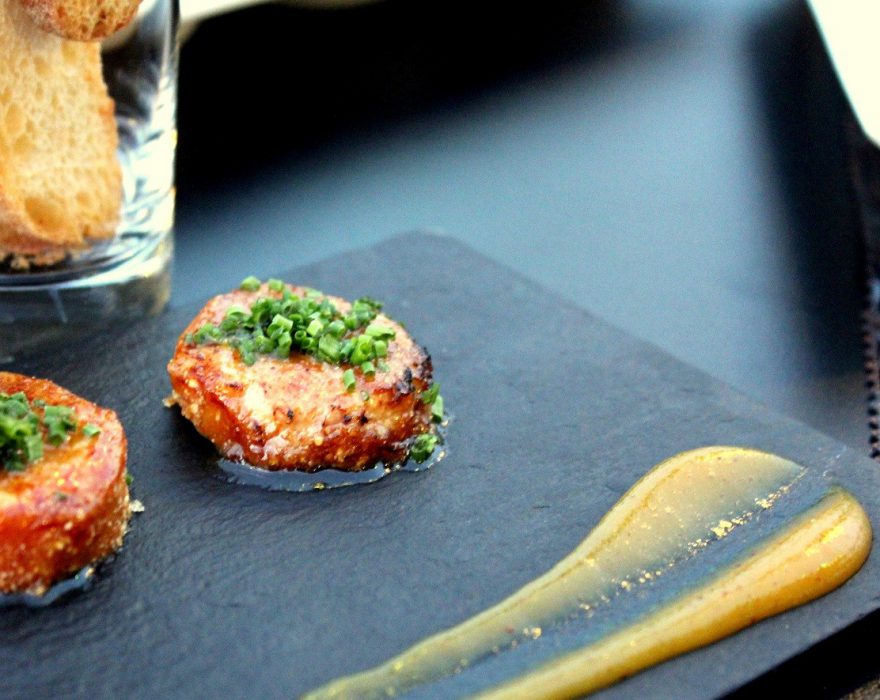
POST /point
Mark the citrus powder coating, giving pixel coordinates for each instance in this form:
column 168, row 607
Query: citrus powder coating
column 678, row 512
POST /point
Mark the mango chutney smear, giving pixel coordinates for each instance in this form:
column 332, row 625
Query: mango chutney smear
column 693, row 534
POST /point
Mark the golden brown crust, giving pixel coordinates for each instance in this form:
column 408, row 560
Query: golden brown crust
column 60, row 178
column 81, row 20
column 295, row 413
column 69, row 508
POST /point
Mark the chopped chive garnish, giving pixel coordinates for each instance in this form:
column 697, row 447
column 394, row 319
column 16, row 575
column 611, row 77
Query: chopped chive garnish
column 329, row 348
column 437, row 409
column 280, row 324
column 291, row 324
column 435, row 401
column 206, row 334
column 348, row 379
column 32, row 448
column 423, row 447
column 24, row 431
column 360, row 354
column 91, row 430
column 379, row 332
column 129, row 479
column 315, row 327
column 311, row 325
column 237, row 313
column 430, row 396
column 59, row 421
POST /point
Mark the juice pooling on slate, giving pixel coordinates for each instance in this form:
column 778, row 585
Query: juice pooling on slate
column 691, row 538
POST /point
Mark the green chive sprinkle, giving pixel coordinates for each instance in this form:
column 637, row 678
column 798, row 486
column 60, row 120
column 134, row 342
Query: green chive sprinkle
column 293, row 324
column 329, row 348
column 32, row 448
column 91, row 430
column 348, row 379
column 435, row 401
column 423, row 447
column 236, row 313
column 437, row 409
column 24, row 430
column 379, row 332
column 430, row 396
column 59, row 421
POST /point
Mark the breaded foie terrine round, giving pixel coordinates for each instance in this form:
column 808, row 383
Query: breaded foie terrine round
column 286, row 378
column 64, row 500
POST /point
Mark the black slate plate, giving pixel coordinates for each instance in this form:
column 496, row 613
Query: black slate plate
column 232, row 591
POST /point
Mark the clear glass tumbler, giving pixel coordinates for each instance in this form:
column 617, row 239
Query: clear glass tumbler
column 129, row 275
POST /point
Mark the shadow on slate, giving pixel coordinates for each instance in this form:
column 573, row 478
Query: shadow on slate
column 231, row 590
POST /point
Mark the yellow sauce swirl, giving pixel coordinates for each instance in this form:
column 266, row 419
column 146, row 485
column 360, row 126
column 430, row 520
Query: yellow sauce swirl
column 675, row 513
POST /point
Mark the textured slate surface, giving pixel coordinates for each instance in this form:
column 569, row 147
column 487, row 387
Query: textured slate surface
column 231, row 590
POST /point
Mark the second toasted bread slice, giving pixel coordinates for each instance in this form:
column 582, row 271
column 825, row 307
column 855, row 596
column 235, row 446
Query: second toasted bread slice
column 60, row 179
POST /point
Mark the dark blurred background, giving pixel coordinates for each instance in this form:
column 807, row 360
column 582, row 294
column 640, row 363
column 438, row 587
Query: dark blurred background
column 678, row 168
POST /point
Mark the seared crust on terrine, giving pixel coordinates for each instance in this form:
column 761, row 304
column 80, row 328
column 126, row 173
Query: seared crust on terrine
column 69, row 508
column 296, row 413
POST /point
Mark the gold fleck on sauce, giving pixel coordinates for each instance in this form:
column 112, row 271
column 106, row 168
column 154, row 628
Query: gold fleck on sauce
column 684, row 513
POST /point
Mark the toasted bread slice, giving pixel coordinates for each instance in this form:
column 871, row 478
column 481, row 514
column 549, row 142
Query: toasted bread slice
column 60, row 179
column 81, row 20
